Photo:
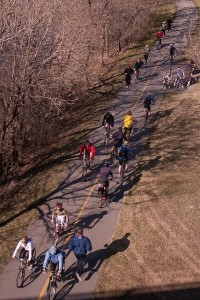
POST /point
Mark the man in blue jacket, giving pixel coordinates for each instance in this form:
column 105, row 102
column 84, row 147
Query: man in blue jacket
column 55, row 256
column 80, row 244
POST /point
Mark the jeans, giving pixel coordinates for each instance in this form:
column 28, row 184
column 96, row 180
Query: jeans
column 80, row 262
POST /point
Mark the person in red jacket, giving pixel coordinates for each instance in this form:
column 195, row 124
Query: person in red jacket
column 87, row 150
column 159, row 36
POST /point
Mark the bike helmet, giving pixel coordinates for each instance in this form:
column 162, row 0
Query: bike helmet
column 53, row 249
column 88, row 144
column 58, row 205
column 108, row 114
column 106, row 163
column 130, row 112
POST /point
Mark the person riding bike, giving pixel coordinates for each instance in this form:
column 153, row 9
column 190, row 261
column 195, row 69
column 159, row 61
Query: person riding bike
column 60, row 216
column 128, row 73
column 180, row 76
column 159, row 36
column 123, row 156
column 104, row 174
column 54, row 256
column 172, row 51
column 118, row 137
column 28, row 247
column 87, row 151
column 147, row 101
column 108, row 121
column 128, row 122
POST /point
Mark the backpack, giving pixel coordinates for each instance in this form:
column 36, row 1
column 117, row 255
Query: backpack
column 147, row 101
column 123, row 152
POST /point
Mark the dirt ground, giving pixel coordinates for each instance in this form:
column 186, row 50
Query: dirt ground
column 159, row 224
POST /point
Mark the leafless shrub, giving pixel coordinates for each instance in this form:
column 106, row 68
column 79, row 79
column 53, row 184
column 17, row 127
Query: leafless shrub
column 48, row 53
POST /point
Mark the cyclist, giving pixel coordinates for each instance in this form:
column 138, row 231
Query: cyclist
column 108, row 120
column 146, row 53
column 159, row 36
column 147, row 101
column 87, row 151
column 28, row 247
column 123, row 156
column 54, row 256
column 180, row 74
column 137, row 67
column 128, row 122
column 172, row 51
column 60, row 216
column 128, row 72
column 104, row 174
column 118, row 137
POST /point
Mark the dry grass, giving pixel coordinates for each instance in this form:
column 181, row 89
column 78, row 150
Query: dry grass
column 162, row 210
column 22, row 199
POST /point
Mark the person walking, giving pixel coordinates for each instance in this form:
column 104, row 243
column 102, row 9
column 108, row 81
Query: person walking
column 164, row 27
column 80, row 244
column 146, row 53
column 169, row 24
column 128, row 73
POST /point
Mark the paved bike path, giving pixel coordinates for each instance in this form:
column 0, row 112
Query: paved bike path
column 80, row 199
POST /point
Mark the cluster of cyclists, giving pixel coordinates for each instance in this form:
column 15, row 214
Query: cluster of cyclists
column 80, row 244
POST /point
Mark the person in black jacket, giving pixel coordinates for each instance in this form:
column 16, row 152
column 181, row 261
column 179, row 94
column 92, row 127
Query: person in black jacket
column 108, row 120
column 128, row 72
column 80, row 244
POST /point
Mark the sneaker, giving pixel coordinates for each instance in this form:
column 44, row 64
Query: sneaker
column 78, row 277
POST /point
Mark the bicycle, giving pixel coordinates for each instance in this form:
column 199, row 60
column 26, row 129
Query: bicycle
column 114, row 156
column 53, row 278
column 86, row 166
column 22, row 268
column 60, row 227
column 158, row 44
column 121, row 174
column 107, row 135
column 146, row 117
column 180, row 85
column 104, row 198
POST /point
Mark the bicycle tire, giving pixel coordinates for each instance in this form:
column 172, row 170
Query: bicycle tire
column 106, row 139
column 20, row 277
column 122, row 174
column 146, row 118
column 52, row 291
column 84, row 174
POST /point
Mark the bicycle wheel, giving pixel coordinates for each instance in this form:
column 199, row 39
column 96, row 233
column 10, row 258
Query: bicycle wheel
column 20, row 277
column 100, row 201
column 122, row 174
column 106, row 137
column 84, row 173
column 52, row 291
column 146, row 118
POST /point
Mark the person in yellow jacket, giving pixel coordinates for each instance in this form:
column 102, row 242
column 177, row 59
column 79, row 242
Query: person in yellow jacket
column 128, row 124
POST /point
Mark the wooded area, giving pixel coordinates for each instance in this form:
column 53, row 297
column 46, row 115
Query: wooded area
column 48, row 54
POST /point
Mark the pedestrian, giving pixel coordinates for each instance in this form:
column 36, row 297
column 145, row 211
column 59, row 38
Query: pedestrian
column 146, row 53
column 169, row 24
column 128, row 73
column 80, row 244
column 164, row 27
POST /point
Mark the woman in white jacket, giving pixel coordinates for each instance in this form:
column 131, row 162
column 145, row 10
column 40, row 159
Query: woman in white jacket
column 27, row 248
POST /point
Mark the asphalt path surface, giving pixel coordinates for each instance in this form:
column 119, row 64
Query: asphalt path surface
column 80, row 198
